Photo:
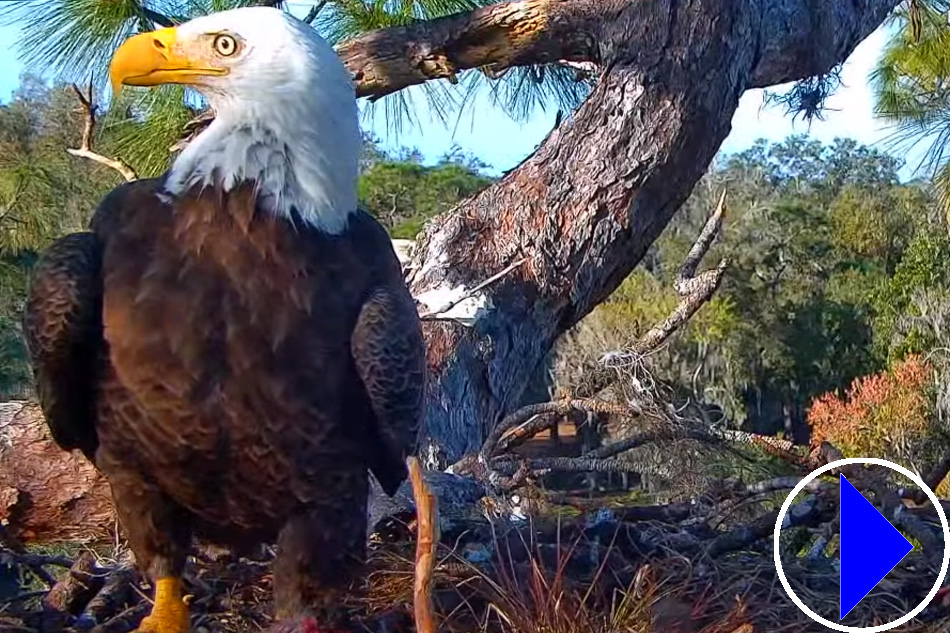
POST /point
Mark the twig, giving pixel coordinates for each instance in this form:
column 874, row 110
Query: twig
column 126, row 621
column 434, row 314
column 85, row 146
column 29, row 595
column 427, row 537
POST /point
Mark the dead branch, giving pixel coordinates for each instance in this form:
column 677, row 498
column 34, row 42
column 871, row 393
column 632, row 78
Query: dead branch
column 811, row 511
column 126, row 621
column 315, row 11
column 694, row 290
column 427, row 539
column 115, row 592
column 494, row 465
column 85, row 146
column 524, row 414
column 939, row 472
column 933, row 479
column 72, row 593
column 156, row 17
column 700, row 247
column 495, row 38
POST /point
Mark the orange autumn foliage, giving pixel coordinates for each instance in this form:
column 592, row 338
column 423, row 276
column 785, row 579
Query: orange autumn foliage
column 889, row 415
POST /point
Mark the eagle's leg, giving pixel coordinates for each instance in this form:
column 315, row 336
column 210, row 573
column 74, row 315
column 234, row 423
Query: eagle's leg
column 160, row 539
column 320, row 554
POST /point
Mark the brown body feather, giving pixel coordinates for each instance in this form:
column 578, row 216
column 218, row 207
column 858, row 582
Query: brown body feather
column 234, row 375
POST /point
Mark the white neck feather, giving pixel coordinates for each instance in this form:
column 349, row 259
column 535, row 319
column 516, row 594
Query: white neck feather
column 299, row 147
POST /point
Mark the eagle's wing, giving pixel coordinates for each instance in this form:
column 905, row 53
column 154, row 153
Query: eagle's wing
column 390, row 357
column 63, row 329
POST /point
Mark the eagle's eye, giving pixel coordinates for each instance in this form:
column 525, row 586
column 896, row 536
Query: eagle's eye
column 225, row 45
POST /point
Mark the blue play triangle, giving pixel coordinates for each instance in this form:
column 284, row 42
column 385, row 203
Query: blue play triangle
column 870, row 547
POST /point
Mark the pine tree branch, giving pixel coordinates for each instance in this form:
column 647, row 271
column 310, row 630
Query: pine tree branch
column 495, row 37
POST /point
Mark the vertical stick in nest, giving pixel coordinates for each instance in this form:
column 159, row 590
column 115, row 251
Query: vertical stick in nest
column 427, row 538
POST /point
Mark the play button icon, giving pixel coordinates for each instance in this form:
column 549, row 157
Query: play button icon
column 870, row 546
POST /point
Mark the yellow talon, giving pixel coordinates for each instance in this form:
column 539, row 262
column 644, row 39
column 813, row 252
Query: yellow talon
column 170, row 613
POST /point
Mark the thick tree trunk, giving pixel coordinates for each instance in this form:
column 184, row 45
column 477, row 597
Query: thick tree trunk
column 583, row 210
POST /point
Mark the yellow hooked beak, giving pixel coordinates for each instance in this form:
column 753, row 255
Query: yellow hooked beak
column 150, row 59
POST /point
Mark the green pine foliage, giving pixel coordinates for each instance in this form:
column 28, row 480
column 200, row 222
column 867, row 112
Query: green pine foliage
column 912, row 90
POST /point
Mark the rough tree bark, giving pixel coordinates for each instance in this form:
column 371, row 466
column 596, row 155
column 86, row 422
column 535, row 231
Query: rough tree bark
column 586, row 206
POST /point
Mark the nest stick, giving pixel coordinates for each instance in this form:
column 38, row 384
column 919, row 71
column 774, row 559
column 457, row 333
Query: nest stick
column 427, row 537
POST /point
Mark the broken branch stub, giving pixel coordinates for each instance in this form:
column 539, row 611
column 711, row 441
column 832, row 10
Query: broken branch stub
column 427, row 540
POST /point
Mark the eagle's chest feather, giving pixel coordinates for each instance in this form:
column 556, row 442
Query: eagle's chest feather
column 225, row 309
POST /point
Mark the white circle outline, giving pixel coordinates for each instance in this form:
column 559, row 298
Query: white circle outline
column 788, row 504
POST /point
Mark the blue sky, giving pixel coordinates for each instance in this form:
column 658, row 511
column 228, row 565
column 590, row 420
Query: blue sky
column 501, row 142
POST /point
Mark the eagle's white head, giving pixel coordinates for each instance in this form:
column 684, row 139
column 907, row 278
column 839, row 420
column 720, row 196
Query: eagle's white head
column 285, row 109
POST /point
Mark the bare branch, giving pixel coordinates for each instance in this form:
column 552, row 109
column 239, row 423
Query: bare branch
column 933, row 479
column 19, row 554
column 694, row 290
column 85, row 146
column 700, row 248
column 811, row 511
column 71, row 592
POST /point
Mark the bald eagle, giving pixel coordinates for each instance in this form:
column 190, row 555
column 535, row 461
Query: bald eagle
column 232, row 343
